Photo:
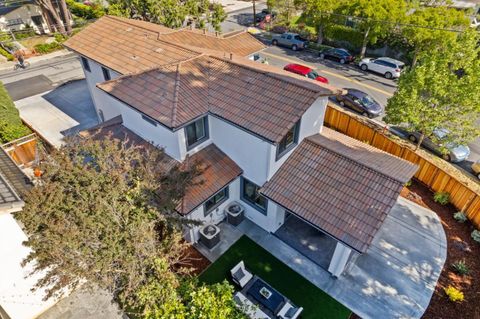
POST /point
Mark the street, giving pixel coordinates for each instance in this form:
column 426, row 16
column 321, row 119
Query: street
column 46, row 75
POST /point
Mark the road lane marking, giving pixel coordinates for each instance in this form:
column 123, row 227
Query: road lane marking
column 330, row 73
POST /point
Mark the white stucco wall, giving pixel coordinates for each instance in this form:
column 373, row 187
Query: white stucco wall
column 25, row 13
column 15, row 296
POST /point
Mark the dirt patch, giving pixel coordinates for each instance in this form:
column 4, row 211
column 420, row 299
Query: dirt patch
column 460, row 247
column 196, row 260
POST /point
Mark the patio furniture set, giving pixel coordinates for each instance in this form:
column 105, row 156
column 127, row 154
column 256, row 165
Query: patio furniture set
column 258, row 299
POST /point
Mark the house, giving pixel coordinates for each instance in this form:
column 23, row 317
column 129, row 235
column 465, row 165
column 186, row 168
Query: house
column 21, row 16
column 258, row 131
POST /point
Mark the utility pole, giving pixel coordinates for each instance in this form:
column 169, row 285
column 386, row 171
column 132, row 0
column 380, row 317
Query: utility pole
column 254, row 15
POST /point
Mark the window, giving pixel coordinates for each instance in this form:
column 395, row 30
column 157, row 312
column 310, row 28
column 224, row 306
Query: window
column 106, row 74
column 288, row 141
column 214, row 201
column 196, row 132
column 85, row 63
column 149, row 120
column 251, row 195
column 14, row 22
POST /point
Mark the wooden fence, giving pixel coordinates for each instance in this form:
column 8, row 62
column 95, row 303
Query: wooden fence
column 23, row 150
column 433, row 172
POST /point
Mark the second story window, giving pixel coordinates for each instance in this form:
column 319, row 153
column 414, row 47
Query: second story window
column 288, row 141
column 196, row 132
column 106, row 73
column 85, row 64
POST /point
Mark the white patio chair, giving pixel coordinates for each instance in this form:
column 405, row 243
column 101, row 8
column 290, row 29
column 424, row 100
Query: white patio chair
column 240, row 275
column 288, row 311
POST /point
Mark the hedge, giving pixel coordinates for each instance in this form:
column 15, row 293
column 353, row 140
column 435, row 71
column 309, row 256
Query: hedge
column 44, row 48
column 11, row 126
column 340, row 35
column 6, row 54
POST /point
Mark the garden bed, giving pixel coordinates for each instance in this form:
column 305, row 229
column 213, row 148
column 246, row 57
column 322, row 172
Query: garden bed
column 460, row 247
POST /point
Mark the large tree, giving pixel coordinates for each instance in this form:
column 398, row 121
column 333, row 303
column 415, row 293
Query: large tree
column 375, row 18
column 321, row 13
column 57, row 14
column 441, row 93
column 102, row 213
column 426, row 28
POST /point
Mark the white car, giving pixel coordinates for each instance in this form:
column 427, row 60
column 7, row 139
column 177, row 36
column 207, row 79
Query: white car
column 388, row 67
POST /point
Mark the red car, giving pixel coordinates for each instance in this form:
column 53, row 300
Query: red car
column 305, row 71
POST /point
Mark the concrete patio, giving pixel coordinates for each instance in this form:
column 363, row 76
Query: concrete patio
column 395, row 278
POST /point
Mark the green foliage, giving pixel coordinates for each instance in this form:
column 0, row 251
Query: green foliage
column 44, row 48
column 6, row 54
column 340, row 33
column 443, row 198
column 285, row 10
column 60, row 38
column 476, row 235
column 460, row 217
column 320, row 14
column 217, row 16
column 441, row 92
column 11, row 126
column 408, row 184
column 460, row 267
column 26, row 33
column 433, row 18
column 102, row 213
column 84, row 11
column 454, row 294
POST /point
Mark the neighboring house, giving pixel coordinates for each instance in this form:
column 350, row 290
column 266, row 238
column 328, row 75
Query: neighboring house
column 22, row 16
column 17, row 301
column 257, row 130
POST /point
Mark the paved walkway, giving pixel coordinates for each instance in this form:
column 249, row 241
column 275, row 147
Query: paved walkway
column 395, row 278
column 61, row 112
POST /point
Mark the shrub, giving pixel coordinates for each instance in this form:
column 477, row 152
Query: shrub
column 6, row 54
column 460, row 217
column 454, row 294
column 11, row 126
column 90, row 11
column 340, row 34
column 27, row 33
column 476, row 235
column 460, row 267
column 44, row 48
column 409, row 183
column 443, row 198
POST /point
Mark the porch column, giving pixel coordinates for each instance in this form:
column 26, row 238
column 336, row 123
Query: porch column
column 339, row 259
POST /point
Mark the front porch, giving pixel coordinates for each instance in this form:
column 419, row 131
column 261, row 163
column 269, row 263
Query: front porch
column 395, row 278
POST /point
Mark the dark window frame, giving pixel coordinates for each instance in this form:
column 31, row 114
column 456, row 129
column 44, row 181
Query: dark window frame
column 248, row 200
column 149, row 120
column 200, row 140
column 209, row 210
column 106, row 74
column 288, row 148
column 86, row 64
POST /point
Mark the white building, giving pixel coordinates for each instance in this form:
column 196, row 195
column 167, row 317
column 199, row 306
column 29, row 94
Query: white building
column 18, row 17
column 257, row 131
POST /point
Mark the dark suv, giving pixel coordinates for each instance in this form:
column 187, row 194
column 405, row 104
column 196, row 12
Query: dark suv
column 340, row 55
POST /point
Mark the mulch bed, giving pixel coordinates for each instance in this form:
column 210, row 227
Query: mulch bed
column 196, row 260
column 460, row 247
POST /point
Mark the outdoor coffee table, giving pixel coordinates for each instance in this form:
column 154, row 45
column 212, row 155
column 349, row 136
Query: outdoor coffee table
column 266, row 295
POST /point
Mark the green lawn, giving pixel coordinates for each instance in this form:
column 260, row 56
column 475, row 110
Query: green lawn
column 316, row 303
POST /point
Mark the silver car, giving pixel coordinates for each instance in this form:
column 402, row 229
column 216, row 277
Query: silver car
column 455, row 153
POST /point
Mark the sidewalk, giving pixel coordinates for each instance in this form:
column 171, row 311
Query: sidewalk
column 8, row 66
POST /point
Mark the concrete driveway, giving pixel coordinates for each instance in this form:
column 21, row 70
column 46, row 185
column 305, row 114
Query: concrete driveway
column 58, row 113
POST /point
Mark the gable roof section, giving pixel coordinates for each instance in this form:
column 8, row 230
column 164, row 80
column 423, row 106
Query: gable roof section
column 126, row 46
column 129, row 46
column 260, row 98
column 329, row 185
column 218, row 170
column 7, row 9
column 13, row 184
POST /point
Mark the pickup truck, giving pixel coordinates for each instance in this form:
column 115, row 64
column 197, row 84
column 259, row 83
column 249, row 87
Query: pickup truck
column 290, row 40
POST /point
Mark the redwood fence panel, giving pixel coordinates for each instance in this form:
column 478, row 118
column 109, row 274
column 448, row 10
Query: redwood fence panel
column 464, row 193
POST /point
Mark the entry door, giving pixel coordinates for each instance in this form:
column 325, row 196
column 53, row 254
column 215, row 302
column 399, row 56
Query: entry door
column 38, row 21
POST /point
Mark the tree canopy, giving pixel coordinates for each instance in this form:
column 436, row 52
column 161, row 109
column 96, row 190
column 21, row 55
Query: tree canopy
column 320, row 12
column 426, row 34
column 102, row 213
column 441, row 93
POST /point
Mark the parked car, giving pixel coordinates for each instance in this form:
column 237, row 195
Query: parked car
column 388, row 67
column 305, row 71
column 476, row 168
column 340, row 55
column 264, row 13
column 361, row 102
column 455, row 153
column 290, row 40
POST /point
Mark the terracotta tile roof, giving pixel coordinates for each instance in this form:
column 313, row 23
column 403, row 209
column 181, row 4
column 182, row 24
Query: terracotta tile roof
column 128, row 46
column 218, row 170
column 260, row 98
column 327, row 184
